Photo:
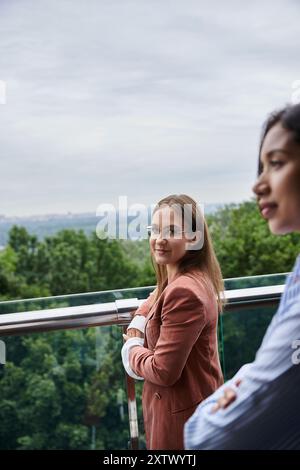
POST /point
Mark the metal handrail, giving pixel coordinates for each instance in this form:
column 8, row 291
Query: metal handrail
column 118, row 312
column 83, row 316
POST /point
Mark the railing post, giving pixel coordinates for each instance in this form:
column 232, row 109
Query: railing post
column 2, row 353
column 132, row 410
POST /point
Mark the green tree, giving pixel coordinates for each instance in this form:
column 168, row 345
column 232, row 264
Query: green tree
column 245, row 246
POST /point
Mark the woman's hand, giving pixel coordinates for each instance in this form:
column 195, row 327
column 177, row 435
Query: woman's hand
column 133, row 333
column 228, row 398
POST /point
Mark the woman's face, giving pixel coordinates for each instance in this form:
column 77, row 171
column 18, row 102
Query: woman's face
column 167, row 241
column 278, row 186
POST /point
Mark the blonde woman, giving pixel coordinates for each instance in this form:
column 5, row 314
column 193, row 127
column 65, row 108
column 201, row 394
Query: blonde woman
column 172, row 341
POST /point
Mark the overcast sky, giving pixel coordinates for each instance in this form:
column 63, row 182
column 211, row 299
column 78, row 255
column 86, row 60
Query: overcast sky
column 143, row 98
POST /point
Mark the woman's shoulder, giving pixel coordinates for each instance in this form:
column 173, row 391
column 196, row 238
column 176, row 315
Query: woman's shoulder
column 192, row 289
column 194, row 283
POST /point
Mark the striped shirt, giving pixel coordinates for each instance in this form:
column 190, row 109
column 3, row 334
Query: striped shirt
column 266, row 412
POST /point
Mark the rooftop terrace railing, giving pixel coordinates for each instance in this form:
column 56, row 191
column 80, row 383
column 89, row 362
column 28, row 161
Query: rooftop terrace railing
column 251, row 302
column 118, row 312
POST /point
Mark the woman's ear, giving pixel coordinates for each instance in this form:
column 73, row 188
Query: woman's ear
column 195, row 243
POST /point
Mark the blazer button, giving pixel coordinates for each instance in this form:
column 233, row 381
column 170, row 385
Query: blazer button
column 157, row 395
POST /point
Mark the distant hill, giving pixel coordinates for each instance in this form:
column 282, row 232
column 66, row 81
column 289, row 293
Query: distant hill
column 42, row 226
column 45, row 225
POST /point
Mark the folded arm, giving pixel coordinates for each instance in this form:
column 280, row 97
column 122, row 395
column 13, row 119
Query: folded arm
column 183, row 319
column 256, row 398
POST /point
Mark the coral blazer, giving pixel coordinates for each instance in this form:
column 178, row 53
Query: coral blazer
column 179, row 360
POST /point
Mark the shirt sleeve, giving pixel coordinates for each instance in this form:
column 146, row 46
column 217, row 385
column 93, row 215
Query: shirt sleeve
column 238, row 426
column 130, row 343
column 183, row 319
column 138, row 322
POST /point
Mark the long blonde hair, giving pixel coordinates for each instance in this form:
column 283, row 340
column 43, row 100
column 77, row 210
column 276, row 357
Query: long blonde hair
column 203, row 259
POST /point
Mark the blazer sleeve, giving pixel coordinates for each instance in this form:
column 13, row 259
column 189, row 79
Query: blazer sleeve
column 139, row 317
column 145, row 307
column 183, row 319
